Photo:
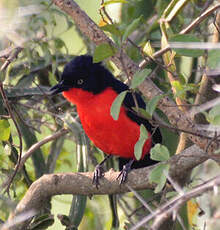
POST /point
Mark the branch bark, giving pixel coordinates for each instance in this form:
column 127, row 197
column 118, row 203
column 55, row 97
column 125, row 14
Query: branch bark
column 81, row 183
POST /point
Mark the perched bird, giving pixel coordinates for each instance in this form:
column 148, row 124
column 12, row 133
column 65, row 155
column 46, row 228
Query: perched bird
column 92, row 88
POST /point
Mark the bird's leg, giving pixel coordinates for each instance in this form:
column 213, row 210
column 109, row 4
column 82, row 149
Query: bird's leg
column 122, row 177
column 98, row 173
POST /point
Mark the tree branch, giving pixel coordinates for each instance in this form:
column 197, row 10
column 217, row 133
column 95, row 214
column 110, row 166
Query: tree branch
column 199, row 19
column 81, row 183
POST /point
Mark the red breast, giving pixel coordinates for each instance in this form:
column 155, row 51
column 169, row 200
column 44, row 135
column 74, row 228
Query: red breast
column 112, row 137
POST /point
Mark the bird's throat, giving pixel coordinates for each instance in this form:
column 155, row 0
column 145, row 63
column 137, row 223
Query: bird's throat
column 78, row 96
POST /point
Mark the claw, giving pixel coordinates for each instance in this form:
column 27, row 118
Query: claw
column 123, row 175
column 98, row 173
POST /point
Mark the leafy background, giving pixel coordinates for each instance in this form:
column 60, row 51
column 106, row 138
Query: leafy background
column 50, row 39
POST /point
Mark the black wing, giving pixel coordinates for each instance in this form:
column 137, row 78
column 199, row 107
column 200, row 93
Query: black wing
column 129, row 103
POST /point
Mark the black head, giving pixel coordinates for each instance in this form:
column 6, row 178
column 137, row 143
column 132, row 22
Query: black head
column 82, row 73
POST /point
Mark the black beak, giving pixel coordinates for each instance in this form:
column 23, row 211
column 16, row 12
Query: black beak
column 58, row 88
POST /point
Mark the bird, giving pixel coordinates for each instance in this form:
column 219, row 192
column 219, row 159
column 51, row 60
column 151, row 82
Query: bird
column 93, row 88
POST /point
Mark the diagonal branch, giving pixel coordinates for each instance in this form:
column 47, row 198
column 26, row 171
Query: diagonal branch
column 37, row 145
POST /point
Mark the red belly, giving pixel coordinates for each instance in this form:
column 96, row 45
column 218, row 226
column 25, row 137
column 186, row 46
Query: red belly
column 112, row 137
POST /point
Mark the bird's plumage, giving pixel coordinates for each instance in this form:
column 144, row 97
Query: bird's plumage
column 93, row 89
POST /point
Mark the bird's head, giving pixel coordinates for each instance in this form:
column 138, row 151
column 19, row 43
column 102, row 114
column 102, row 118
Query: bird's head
column 83, row 74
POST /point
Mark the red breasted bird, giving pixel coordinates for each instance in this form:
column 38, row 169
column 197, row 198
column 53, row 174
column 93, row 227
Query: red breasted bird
column 92, row 88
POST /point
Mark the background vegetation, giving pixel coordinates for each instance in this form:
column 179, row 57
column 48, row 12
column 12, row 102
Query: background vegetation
column 37, row 39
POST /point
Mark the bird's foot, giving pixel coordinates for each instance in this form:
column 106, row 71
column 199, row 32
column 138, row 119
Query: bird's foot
column 122, row 177
column 97, row 175
column 99, row 172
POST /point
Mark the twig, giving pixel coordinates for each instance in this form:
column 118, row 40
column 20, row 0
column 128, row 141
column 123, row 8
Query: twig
column 125, row 210
column 213, row 139
column 168, row 208
column 39, row 144
column 190, row 27
column 143, row 202
column 102, row 8
column 157, row 54
column 163, row 124
column 199, row 19
column 6, row 52
column 11, row 56
column 205, row 106
column 8, row 107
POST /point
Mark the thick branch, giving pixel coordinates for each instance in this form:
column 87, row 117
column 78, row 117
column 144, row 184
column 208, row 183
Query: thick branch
column 81, row 183
column 148, row 88
column 73, row 183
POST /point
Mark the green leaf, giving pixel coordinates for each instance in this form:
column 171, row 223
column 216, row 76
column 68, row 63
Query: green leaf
column 139, row 77
column 215, row 111
column 148, row 49
column 178, row 86
column 213, row 60
column 160, row 153
column 145, row 113
column 47, row 53
column 214, row 115
column 116, row 105
column 103, row 51
column 152, row 104
column 59, row 43
column 114, row 1
column 171, row 194
column 180, row 90
column 112, row 28
column 30, row 139
column 78, row 209
column 184, row 39
column 4, row 130
column 138, row 148
column 25, row 81
column 216, row 120
column 132, row 27
column 158, row 176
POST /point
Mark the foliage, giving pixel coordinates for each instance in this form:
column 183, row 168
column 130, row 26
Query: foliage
column 43, row 32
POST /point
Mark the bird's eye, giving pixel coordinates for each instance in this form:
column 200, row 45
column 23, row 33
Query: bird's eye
column 79, row 81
